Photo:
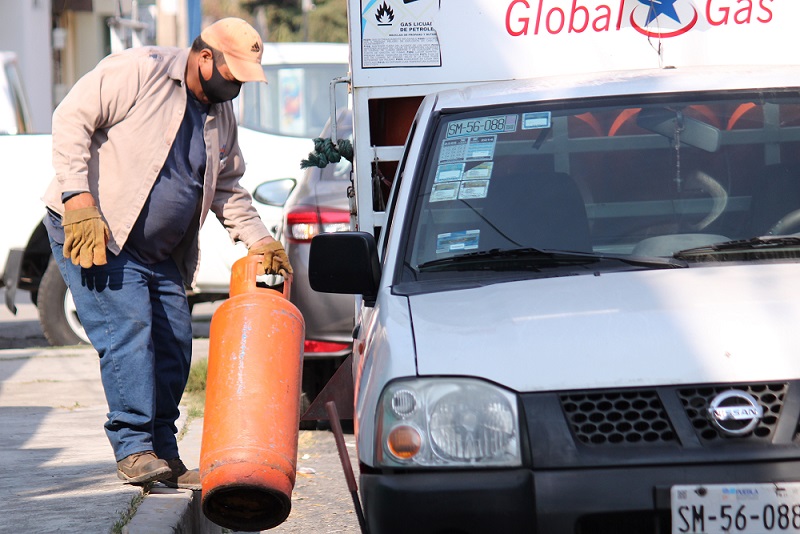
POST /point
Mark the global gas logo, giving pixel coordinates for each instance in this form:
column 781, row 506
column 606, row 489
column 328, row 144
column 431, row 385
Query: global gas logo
column 663, row 18
column 654, row 18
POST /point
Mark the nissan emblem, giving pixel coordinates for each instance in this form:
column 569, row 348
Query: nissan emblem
column 735, row 412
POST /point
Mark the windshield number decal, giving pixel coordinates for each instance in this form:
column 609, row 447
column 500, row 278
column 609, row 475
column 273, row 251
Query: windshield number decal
column 482, row 125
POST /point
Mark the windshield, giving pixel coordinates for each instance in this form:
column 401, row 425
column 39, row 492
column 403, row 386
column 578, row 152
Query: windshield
column 638, row 180
column 295, row 101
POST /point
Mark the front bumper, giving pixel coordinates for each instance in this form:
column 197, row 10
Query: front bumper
column 597, row 462
column 597, row 501
column 491, row 501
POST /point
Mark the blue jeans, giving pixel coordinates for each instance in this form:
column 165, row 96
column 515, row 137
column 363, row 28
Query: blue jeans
column 137, row 317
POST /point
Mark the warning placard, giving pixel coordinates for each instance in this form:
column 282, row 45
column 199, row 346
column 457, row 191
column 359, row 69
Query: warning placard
column 399, row 33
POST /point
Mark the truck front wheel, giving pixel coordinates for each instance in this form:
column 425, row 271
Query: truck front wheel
column 57, row 314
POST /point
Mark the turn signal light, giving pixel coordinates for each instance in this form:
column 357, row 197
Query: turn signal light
column 404, row 442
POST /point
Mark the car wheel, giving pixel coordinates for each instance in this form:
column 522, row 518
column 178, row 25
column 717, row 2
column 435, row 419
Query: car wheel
column 57, row 314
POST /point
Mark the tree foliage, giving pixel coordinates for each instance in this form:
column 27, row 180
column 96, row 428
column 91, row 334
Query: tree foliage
column 283, row 20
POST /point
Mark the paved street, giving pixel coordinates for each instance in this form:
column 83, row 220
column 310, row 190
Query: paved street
column 57, row 473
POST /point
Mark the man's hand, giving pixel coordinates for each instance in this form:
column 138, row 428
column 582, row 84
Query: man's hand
column 275, row 259
column 85, row 236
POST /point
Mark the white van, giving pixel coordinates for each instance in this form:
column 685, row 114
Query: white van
column 577, row 303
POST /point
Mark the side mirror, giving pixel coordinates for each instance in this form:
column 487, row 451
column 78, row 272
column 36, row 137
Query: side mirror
column 275, row 192
column 345, row 262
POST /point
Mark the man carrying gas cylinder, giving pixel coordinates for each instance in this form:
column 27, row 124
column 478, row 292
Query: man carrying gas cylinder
column 144, row 146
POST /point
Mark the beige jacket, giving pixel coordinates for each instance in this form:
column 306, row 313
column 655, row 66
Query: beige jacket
column 113, row 132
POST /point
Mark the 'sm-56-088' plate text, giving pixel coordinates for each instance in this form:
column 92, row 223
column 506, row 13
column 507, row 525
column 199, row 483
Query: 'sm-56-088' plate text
column 739, row 508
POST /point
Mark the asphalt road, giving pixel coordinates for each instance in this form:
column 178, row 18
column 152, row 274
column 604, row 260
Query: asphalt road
column 321, row 502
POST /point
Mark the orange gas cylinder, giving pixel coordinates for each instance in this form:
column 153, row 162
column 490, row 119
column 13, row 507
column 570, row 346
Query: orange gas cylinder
column 248, row 455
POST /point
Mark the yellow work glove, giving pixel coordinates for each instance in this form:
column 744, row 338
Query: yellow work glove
column 275, row 259
column 85, row 237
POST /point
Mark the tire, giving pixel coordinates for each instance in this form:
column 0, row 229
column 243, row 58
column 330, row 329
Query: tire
column 57, row 315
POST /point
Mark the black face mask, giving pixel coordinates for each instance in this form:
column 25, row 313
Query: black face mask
column 218, row 89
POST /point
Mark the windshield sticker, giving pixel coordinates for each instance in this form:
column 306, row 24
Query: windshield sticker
column 482, row 125
column 481, row 148
column 536, row 121
column 473, row 189
column 445, row 191
column 482, row 170
column 457, row 241
column 477, row 148
column 452, row 182
column 450, row 172
column 453, row 150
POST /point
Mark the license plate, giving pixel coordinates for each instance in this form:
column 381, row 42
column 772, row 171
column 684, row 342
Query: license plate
column 740, row 508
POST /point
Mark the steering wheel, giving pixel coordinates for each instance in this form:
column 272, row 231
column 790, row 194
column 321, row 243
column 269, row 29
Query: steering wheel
column 789, row 221
column 718, row 195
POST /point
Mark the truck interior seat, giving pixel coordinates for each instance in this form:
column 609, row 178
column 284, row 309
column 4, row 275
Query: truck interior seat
column 543, row 210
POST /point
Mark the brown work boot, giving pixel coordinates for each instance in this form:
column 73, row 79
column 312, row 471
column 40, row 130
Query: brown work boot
column 182, row 477
column 142, row 467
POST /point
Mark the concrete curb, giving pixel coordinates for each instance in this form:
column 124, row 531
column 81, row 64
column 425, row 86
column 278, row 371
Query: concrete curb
column 175, row 510
column 171, row 510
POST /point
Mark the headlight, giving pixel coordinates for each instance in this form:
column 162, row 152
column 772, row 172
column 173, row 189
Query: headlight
column 443, row 422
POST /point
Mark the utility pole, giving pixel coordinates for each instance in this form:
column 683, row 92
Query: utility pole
column 306, row 6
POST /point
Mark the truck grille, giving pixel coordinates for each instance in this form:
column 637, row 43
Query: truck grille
column 618, row 417
column 639, row 417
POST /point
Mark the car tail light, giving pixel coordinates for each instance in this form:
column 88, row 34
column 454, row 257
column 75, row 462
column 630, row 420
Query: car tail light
column 311, row 346
column 304, row 222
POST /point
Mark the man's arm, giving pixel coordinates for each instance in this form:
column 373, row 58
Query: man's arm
column 99, row 99
column 79, row 201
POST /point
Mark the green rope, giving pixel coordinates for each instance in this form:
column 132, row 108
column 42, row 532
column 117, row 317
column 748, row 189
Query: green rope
column 326, row 152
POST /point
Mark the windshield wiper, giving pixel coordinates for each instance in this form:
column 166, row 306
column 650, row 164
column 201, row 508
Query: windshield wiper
column 779, row 243
column 535, row 259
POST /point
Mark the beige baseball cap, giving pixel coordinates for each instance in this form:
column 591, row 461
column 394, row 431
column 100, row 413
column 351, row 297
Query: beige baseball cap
column 240, row 44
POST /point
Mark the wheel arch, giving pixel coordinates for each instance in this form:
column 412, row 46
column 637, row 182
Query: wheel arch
column 35, row 258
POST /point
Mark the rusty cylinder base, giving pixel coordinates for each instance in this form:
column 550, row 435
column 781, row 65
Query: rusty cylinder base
column 246, row 508
column 248, row 456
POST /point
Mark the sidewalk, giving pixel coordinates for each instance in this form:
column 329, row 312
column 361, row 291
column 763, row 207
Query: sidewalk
column 57, row 471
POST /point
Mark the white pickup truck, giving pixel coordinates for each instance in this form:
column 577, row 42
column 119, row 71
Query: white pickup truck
column 576, row 300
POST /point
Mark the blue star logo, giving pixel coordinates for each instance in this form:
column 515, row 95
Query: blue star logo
column 660, row 7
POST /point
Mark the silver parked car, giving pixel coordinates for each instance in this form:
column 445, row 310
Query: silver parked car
column 319, row 204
